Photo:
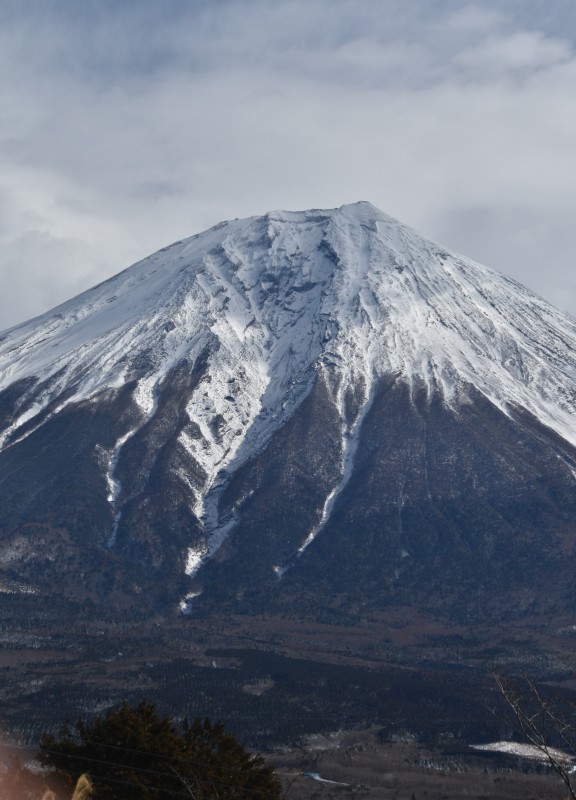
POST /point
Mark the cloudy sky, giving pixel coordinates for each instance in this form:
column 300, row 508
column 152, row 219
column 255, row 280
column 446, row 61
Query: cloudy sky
column 127, row 124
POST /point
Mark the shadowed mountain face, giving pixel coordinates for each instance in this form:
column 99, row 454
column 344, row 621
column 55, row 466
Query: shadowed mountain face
column 470, row 512
column 320, row 412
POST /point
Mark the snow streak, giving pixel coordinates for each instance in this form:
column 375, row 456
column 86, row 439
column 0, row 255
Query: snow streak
column 114, row 486
column 350, row 441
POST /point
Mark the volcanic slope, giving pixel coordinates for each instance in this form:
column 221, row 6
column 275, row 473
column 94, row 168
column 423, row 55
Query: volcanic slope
column 317, row 410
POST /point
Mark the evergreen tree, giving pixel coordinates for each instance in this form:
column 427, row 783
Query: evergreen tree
column 134, row 753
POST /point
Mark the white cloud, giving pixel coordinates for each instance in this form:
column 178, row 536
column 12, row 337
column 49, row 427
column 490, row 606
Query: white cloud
column 523, row 51
column 130, row 129
column 475, row 18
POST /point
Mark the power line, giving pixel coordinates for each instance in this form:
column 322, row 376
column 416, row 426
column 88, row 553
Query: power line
column 172, row 792
column 131, row 768
column 151, row 753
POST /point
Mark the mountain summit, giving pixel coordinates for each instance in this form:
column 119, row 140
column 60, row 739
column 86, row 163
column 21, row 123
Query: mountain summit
column 317, row 408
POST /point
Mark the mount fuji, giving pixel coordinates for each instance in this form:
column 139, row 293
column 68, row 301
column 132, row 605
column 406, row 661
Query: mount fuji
column 320, row 411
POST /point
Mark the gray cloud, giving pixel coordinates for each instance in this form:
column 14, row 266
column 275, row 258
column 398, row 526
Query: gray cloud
column 128, row 125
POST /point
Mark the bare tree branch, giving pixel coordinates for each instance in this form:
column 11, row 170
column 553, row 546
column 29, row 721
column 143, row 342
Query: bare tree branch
column 536, row 717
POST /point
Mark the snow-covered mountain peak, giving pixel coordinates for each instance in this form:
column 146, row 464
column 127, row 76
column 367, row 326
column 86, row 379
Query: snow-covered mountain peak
column 302, row 353
column 349, row 292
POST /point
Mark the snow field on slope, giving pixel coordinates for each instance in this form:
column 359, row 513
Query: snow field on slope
column 276, row 301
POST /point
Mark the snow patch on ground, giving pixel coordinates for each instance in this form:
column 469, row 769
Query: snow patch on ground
column 315, row 776
column 525, row 751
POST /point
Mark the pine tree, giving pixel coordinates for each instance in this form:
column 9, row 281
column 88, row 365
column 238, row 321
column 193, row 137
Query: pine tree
column 134, row 753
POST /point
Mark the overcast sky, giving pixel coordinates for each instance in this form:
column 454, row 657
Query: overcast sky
column 128, row 124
